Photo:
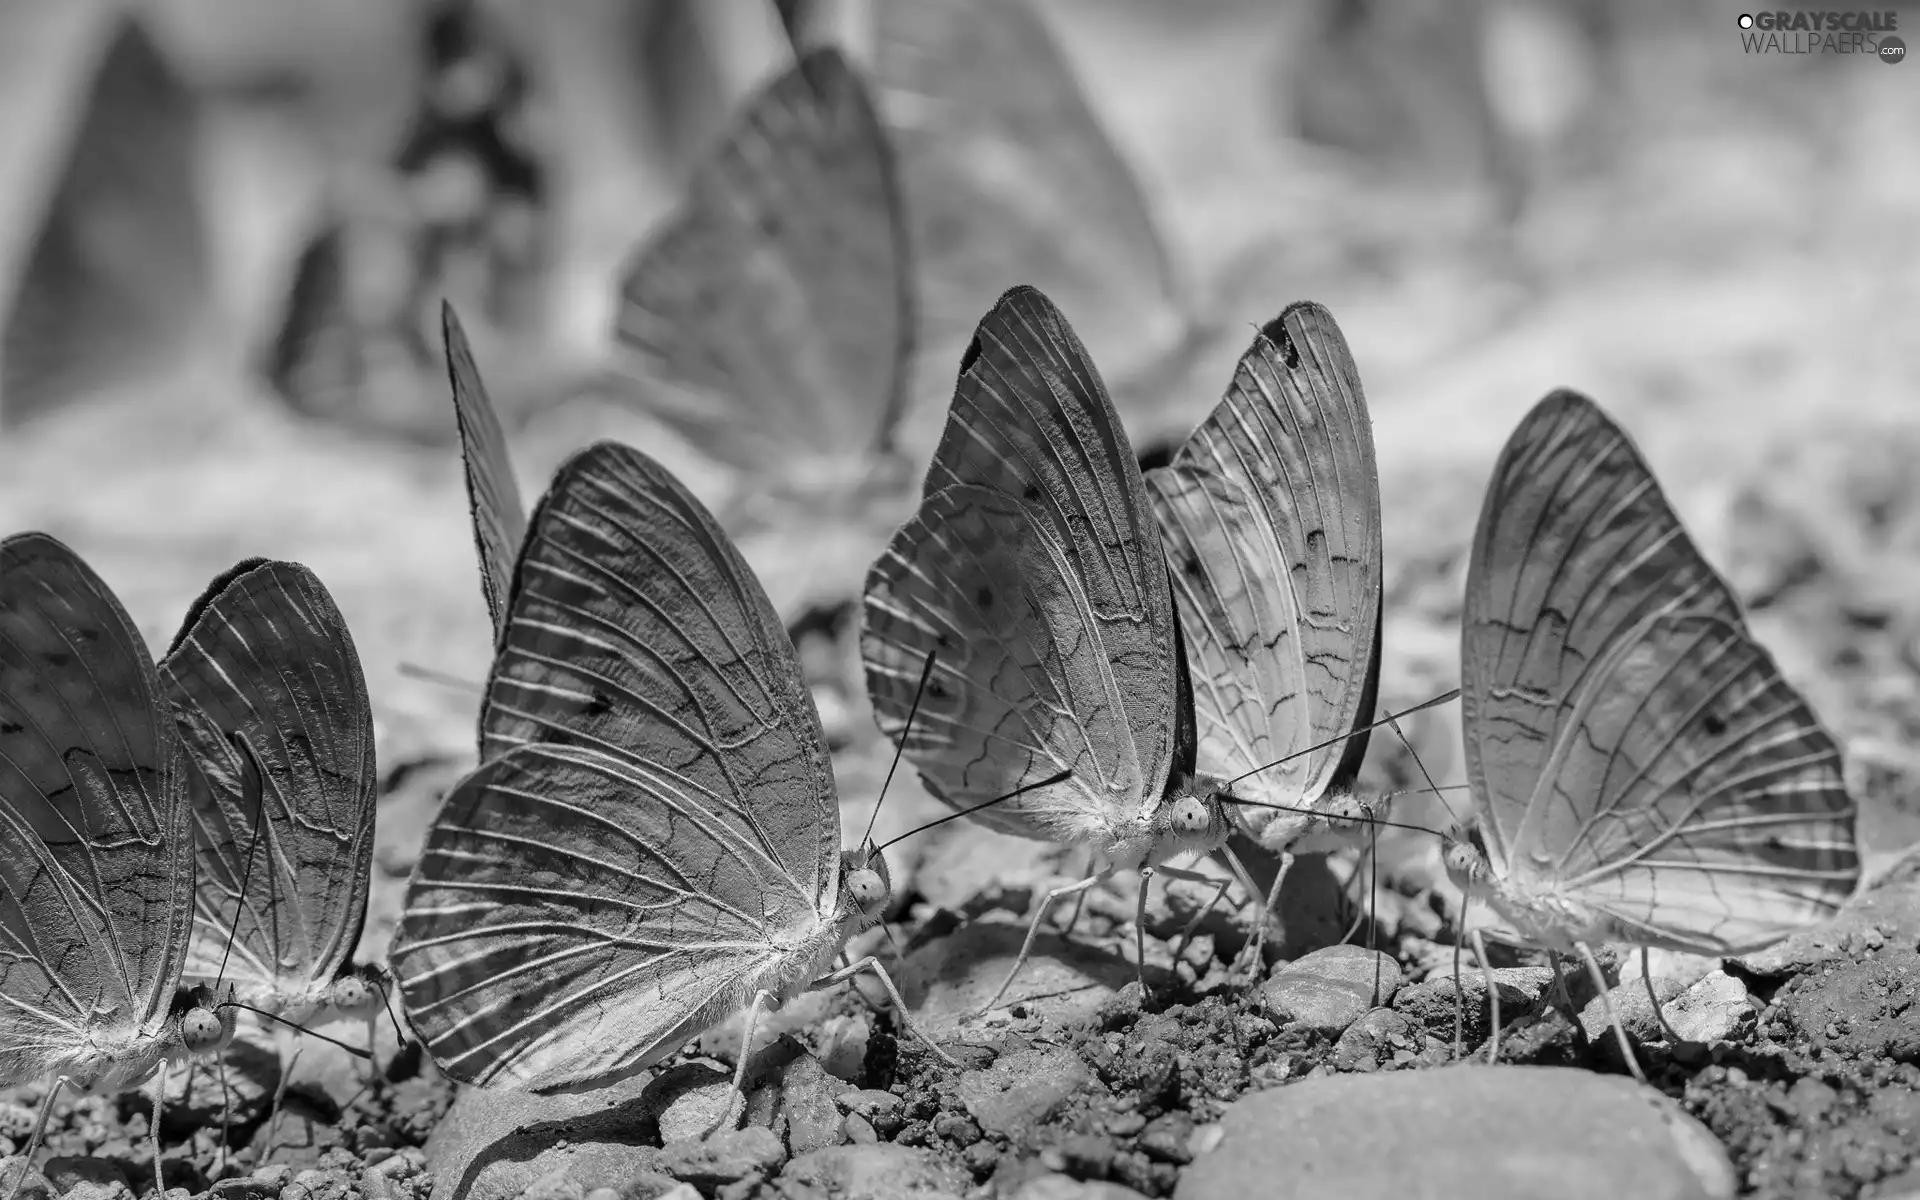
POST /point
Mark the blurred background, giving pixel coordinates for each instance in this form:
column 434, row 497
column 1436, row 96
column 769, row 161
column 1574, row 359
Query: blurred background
column 226, row 227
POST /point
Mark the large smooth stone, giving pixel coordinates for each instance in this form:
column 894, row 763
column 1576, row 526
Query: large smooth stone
column 1492, row 1133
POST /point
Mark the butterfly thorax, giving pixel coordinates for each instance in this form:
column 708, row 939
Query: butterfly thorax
column 1545, row 920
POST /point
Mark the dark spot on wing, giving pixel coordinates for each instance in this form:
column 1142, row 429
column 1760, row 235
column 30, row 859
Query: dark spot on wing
column 1713, row 724
column 1275, row 331
column 984, row 596
column 9, row 728
column 599, row 705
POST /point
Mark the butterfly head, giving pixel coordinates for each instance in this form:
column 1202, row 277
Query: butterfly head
column 866, row 886
column 205, row 1026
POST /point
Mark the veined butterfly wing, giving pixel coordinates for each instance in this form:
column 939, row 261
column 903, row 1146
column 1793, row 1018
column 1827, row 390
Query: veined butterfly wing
column 499, row 516
column 778, row 297
column 1634, row 750
column 1087, row 640
column 96, row 850
column 1270, row 517
column 655, row 832
column 1009, row 176
column 265, row 652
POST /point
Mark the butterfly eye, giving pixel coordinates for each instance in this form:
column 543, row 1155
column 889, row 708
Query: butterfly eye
column 869, row 892
column 352, row 996
column 202, row 1031
column 1465, row 867
column 1191, row 816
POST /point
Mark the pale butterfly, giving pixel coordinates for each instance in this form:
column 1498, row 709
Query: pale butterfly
column 1009, row 175
column 653, row 839
column 96, row 843
column 1033, row 573
column 286, row 841
column 111, row 278
column 1643, row 772
column 1270, row 518
column 772, row 319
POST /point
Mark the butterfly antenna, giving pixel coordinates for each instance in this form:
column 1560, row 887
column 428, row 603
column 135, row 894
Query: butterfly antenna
column 1049, row 781
column 443, row 678
column 252, row 786
column 1431, row 786
column 1295, row 808
column 386, row 1002
column 899, row 747
column 1334, row 741
column 356, row 1051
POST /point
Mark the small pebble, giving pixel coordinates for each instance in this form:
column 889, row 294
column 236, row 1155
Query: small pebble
column 860, row 1130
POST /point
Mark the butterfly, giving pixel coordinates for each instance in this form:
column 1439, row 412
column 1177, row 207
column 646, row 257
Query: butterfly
column 652, row 840
column 1270, row 519
column 284, row 828
column 1032, row 572
column 772, row 315
column 1644, row 773
column 1009, row 175
column 465, row 208
column 115, row 284
column 96, row 842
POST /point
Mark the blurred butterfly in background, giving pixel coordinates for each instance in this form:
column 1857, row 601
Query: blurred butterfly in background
column 1033, row 573
column 462, row 208
column 1270, row 518
column 772, row 319
column 1009, row 175
column 284, row 858
column 652, row 840
column 96, row 843
column 1643, row 772
column 115, row 285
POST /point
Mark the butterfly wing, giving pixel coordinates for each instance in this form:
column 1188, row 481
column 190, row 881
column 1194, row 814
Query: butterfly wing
column 778, row 297
column 1027, row 681
column 265, row 652
column 1031, row 424
column 96, row 852
column 1692, row 796
column 1576, row 545
column 1581, row 580
column 663, row 821
column 499, row 517
column 1008, row 175
column 1270, row 517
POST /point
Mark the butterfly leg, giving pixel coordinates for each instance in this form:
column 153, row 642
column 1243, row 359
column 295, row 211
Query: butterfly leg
column 1271, row 907
column 1493, row 997
column 226, row 1111
column 1033, row 930
column 737, row 1103
column 1606, row 1002
column 870, row 963
column 1646, row 976
column 39, row 1130
column 1459, row 1007
column 284, row 1040
column 1219, row 890
column 153, row 1131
